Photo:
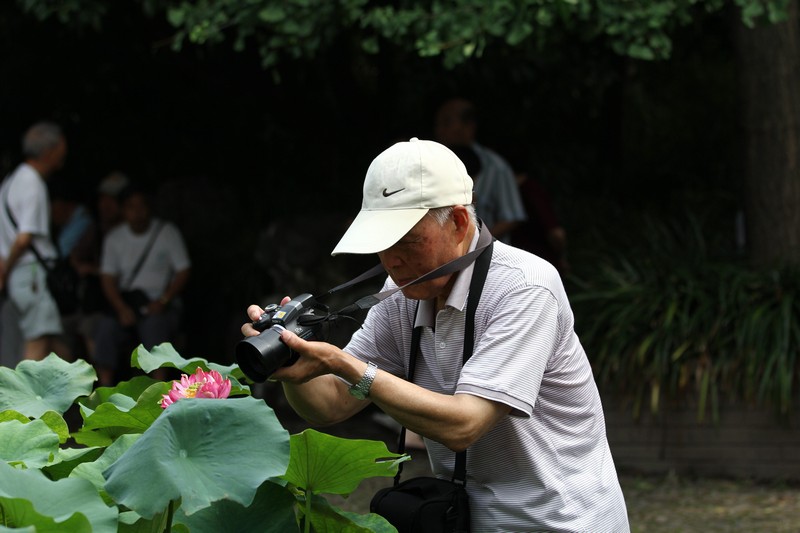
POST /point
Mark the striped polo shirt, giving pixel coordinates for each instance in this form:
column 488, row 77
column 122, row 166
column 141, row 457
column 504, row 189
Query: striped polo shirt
column 547, row 466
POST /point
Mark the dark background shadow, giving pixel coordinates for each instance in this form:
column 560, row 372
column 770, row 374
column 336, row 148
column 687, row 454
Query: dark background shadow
column 262, row 177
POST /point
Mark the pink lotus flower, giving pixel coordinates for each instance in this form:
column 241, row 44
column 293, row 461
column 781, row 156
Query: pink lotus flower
column 199, row 385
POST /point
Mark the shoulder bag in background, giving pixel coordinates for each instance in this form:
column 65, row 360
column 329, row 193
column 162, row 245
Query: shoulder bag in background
column 62, row 279
column 137, row 299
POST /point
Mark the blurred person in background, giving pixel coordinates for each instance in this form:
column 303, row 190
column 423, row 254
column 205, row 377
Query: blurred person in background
column 24, row 233
column 143, row 270
column 496, row 196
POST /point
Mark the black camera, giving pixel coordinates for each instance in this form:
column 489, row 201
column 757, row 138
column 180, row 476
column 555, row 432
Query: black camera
column 263, row 354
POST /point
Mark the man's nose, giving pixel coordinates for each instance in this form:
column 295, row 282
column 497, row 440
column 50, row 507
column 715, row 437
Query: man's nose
column 390, row 259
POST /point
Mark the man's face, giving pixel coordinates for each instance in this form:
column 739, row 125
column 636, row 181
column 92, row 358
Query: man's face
column 449, row 127
column 136, row 212
column 54, row 157
column 425, row 247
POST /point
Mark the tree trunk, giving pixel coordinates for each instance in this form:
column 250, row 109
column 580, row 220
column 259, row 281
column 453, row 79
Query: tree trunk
column 769, row 75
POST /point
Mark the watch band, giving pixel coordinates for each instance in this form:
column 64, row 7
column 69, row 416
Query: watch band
column 361, row 389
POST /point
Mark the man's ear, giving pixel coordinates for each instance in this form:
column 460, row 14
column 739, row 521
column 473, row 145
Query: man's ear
column 461, row 222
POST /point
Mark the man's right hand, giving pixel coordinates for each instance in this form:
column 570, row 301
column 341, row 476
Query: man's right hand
column 126, row 316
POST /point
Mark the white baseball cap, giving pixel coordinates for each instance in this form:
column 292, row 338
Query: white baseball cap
column 403, row 183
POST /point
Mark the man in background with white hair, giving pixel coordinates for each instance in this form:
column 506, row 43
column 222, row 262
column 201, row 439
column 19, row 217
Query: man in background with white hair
column 24, row 233
column 524, row 405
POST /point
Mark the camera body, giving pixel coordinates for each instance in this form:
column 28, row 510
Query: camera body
column 261, row 355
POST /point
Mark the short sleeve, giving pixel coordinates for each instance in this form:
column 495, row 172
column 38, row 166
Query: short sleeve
column 513, row 353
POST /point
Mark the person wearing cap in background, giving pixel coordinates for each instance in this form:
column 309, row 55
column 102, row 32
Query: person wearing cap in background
column 525, row 404
column 81, row 241
column 109, row 211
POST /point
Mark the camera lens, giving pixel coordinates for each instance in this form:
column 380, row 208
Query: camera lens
column 260, row 356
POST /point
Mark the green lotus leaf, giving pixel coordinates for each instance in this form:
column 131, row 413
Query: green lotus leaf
column 68, row 458
column 324, row 463
column 121, row 415
column 53, row 420
column 57, row 425
column 29, row 498
column 99, row 437
column 200, row 451
column 93, row 471
column 326, row 517
column 27, row 529
column 123, row 412
column 51, row 384
column 132, row 389
column 23, row 513
column 10, row 414
column 32, row 444
column 165, row 355
column 272, row 501
column 130, row 522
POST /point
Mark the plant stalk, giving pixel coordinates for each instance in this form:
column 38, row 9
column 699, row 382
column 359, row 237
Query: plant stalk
column 170, row 513
column 307, row 527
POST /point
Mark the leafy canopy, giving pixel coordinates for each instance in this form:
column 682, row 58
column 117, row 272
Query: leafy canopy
column 456, row 30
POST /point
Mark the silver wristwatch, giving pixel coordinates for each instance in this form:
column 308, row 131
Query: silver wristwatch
column 361, row 389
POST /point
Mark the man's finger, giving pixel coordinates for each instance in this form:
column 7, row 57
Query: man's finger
column 254, row 312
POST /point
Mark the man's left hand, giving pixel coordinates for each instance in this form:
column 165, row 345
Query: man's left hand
column 155, row 307
column 316, row 359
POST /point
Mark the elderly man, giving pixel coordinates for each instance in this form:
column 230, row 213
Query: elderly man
column 24, row 233
column 525, row 404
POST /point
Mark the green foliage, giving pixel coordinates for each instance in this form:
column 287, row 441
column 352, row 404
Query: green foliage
column 75, row 12
column 455, row 31
column 34, row 389
column 327, row 464
column 270, row 512
column 29, row 498
column 193, row 450
column 165, row 356
column 31, row 444
column 665, row 320
column 120, row 410
column 327, row 517
column 201, row 465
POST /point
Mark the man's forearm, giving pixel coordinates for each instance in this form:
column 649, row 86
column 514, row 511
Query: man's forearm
column 176, row 286
column 323, row 400
column 18, row 247
column 109, row 285
column 456, row 421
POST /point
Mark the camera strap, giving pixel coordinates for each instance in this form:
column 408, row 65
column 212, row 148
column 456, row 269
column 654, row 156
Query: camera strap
column 485, row 240
column 473, row 297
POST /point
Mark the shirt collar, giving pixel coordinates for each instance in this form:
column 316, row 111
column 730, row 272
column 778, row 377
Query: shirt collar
column 457, row 298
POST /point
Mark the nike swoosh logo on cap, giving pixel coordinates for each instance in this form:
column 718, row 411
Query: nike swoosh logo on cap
column 387, row 194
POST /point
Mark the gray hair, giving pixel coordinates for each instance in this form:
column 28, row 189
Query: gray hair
column 442, row 214
column 40, row 138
